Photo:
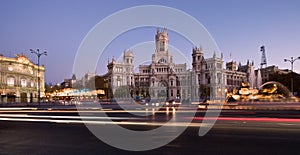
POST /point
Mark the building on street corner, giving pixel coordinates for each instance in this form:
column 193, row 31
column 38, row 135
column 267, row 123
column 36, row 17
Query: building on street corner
column 19, row 79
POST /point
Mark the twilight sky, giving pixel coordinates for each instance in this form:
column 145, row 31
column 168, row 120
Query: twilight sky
column 238, row 27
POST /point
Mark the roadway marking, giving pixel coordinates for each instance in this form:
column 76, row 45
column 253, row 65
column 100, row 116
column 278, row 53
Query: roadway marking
column 286, row 124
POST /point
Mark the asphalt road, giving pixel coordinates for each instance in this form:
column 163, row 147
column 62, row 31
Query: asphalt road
column 258, row 133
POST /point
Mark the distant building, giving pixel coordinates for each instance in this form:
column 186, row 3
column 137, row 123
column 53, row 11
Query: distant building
column 19, row 79
column 231, row 66
column 66, row 84
column 267, row 72
column 234, row 77
column 163, row 77
column 238, row 74
column 216, row 77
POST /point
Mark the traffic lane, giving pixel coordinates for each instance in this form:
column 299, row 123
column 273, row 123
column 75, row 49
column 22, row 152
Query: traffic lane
column 151, row 111
column 234, row 141
column 224, row 138
column 49, row 138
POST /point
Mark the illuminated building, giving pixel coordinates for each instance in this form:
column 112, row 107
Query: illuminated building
column 18, row 80
column 164, row 77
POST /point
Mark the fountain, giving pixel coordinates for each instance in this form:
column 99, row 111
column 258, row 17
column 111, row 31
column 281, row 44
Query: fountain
column 252, row 77
column 271, row 91
column 258, row 79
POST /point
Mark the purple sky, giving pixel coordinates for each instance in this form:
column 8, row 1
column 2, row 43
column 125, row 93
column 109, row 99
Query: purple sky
column 238, row 27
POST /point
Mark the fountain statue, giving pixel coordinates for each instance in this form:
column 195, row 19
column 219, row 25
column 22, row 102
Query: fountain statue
column 271, row 91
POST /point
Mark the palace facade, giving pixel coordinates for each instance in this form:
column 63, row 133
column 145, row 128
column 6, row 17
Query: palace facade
column 19, row 79
column 163, row 78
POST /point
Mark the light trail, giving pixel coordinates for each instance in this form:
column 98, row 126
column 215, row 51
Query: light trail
column 67, row 117
column 70, row 121
column 257, row 119
column 18, row 108
column 171, row 124
column 99, row 111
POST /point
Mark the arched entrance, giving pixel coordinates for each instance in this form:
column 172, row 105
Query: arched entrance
column 162, row 91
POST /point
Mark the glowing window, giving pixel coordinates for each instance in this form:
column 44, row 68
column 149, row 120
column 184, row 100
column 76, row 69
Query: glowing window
column 23, row 82
column 10, row 81
column 10, row 68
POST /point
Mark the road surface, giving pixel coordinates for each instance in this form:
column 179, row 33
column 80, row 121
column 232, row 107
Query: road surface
column 50, row 131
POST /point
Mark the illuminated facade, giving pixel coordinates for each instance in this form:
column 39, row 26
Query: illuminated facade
column 163, row 77
column 18, row 80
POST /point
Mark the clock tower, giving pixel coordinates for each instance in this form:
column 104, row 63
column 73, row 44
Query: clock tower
column 161, row 54
column 161, row 40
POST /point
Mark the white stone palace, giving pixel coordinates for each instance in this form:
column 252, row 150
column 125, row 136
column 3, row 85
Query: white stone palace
column 164, row 78
column 18, row 79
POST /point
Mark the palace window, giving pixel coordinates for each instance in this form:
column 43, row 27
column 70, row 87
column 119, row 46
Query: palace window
column 10, row 81
column 119, row 69
column 10, row 68
column 118, row 81
column 23, row 82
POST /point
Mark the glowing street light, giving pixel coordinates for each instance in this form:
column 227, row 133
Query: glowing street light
column 292, row 60
column 38, row 54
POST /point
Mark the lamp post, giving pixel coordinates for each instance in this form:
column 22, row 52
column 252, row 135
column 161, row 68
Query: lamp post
column 38, row 54
column 292, row 60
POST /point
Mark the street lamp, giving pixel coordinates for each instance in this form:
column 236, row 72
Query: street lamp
column 38, row 54
column 292, row 60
